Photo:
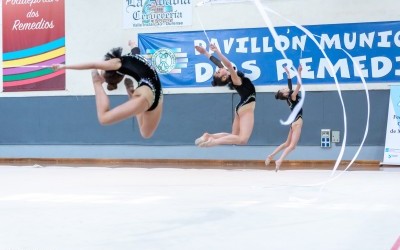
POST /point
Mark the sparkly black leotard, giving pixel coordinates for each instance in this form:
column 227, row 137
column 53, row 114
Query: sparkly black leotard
column 143, row 72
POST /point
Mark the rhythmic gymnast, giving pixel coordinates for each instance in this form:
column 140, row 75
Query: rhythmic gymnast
column 243, row 122
column 145, row 102
column 292, row 98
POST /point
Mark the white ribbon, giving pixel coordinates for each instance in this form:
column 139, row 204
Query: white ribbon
column 293, row 114
column 357, row 67
column 202, row 26
column 268, row 21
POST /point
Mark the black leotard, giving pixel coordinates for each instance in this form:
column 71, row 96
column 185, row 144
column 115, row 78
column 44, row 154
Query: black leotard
column 143, row 72
column 292, row 103
column 246, row 91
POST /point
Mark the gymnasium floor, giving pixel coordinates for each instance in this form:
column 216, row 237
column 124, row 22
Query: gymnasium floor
column 96, row 208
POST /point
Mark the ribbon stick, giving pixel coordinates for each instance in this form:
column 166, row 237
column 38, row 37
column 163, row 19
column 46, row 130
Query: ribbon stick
column 202, row 26
column 209, row 2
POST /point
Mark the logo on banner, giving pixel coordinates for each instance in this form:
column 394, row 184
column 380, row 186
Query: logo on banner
column 164, row 60
column 157, row 13
column 167, row 60
column 152, row 9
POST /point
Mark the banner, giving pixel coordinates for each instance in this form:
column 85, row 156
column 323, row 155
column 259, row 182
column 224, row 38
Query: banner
column 33, row 39
column 156, row 13
column 392, row 143
column 374, row 46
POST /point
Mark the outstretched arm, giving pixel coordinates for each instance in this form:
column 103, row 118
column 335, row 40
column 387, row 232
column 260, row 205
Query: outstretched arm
column 234, row 76
column 213, row 59
column 289, row 79
column 112, row 64
column 298, row 86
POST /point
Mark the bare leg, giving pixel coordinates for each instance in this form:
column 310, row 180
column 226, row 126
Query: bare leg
column 279, row 148
column 102, row 100
column 206, row 136
column 246, row 124
column 132, row 107
column 296, row 132
column 148, row 121
column 130, row 89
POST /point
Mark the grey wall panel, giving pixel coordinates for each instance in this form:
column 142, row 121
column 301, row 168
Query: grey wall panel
column 56, row 120
column 73, row 120
column 356, row 112
column 267, row 128
column 186, row 117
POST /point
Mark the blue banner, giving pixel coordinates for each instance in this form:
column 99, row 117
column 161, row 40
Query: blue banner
column 373, row 46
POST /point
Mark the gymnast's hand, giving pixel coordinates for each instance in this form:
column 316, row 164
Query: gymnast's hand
column 287, row 71
column 56, row 67
column 213, row 47
column 200, row 49
column 300, row 68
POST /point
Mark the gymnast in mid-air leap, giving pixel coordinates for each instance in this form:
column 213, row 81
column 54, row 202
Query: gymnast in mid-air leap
column 243, row 122
column 292, row 98
column 145, row 102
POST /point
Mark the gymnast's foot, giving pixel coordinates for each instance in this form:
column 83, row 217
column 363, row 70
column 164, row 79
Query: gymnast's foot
column 209, row 143
column 129, row 86
column 132, row 44
column 277, row 165
column 199, row 141
column 202, row 139
column 268, row 160
column 96, row 77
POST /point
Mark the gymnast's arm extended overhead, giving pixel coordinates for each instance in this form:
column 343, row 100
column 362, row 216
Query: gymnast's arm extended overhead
column 213, row 59
column 289, row 79
column 228, row 64
column 298, row 85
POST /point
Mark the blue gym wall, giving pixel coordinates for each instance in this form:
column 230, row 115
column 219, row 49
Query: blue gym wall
column 71, row 120
column 64, row 124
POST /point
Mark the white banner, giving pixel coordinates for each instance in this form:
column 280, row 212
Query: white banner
column 392, row 143
column 156, row 13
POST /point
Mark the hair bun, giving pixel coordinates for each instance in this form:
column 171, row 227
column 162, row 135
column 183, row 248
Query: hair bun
column 111, row 87
column 113, row 53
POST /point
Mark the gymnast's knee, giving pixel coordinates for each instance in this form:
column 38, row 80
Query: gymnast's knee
column 146, row 133
column 104, row 121
column 243, row 141
column 291, row 147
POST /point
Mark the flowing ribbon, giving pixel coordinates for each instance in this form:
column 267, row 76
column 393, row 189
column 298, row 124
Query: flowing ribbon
column 358, row 69
column 262, row 10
